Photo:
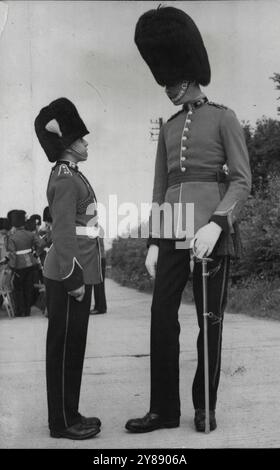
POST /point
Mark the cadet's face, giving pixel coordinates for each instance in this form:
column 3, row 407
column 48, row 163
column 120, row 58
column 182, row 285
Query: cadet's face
column 177, row 93
column 80, row 148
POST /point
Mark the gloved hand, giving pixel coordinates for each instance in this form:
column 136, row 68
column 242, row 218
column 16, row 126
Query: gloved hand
column 205, row 239
column 151, row 260
column 78, row 294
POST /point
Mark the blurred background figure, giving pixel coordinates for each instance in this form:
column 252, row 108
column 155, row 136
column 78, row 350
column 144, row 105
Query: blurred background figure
column 100, row 305
column 4, row 228
column 37, row 220
column 46, row 233
column 21, row 245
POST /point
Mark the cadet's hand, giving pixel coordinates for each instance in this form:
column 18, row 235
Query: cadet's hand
column 151, row 260
column 205, row 239
column 78, row 293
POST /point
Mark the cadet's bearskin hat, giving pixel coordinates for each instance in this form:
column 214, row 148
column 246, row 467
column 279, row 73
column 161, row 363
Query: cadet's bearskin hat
column 47, row 215
column 4, row 224
column 17, row 218
column 170, row 43
column 57, row 126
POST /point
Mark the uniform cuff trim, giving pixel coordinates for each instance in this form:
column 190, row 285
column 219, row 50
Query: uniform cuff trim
column 222, row 221
column 152, row 241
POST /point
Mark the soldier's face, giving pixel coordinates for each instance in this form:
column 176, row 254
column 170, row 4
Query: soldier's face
column 79, row 148
column 177, row 93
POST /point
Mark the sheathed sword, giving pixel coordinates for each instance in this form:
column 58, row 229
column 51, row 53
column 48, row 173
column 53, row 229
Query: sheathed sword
column 205, row 274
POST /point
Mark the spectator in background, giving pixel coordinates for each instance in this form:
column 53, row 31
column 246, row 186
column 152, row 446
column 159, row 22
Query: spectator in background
column 46, row 233
column 9, row 217
column 4, row 229
column 100, row 305
column 20, row 246
column 37, row 221
column 32, row 225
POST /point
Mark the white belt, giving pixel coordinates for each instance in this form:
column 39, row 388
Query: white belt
column 92, row 232
column 23, row 252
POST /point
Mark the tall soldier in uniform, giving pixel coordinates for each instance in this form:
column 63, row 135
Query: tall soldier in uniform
column 71, row 267
column 193, row 148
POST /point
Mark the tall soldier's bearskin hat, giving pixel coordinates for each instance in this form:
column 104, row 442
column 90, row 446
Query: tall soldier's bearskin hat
column 171, row 44
column 17, row 218
column 57, row 126
column 47, row 215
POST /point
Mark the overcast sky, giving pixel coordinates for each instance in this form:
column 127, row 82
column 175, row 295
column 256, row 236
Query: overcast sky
column 84, row 50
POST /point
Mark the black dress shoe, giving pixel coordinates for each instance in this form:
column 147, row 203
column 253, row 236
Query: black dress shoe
column 150, row 422
column 93, row 421
column 77, row 432
column 199, row 420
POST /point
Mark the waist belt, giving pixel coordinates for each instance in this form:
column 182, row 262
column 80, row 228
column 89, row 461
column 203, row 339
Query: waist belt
column 177, row 177
column 23, row 252
column 92, row 232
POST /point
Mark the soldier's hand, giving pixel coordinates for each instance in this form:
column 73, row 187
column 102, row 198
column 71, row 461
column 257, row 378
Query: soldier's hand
column 151, row 260
column 205, row 239
column 78, row 293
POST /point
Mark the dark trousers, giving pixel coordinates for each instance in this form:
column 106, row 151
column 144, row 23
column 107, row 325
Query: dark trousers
column 66, row 343
column 173, row 270
column 23, row 291
column 99, row 291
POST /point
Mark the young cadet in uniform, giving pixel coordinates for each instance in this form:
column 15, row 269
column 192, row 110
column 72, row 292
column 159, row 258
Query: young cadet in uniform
column 21, row 245
column 193, row 147
column 71, row 267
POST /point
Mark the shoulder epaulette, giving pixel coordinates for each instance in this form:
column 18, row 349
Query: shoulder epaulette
column 174, row 115
column 64, row 170
column 220, row 106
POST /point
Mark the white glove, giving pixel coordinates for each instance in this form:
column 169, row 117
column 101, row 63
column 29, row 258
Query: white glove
column 205, row 239
column 151, row 260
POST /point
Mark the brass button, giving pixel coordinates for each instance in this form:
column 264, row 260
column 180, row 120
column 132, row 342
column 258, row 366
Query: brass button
column 184, row 169
column 183, row 159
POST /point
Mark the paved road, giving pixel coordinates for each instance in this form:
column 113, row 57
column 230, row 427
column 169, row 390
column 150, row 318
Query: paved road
column 116, row 380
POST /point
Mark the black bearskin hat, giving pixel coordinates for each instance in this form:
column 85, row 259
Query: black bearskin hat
column 30, row 225
column 46, row 215
column 9, row 216
column 4, row 224
column 57, row 126
column 36, row 218
column 17, row 218
column 171, row 44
